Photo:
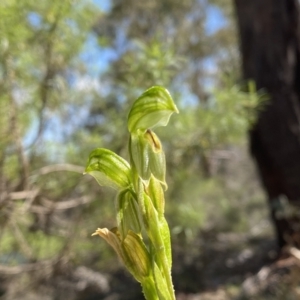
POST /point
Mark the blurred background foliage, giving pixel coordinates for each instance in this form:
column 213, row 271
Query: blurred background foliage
column 69, row 71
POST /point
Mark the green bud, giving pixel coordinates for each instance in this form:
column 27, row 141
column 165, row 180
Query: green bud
column 153, row 108
column 128, row 214
column 109, row 169
column 147, row 155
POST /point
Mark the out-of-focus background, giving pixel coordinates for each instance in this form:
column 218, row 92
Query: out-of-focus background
column 69, row 71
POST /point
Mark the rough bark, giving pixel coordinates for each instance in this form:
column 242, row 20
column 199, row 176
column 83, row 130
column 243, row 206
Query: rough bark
column 270, row 47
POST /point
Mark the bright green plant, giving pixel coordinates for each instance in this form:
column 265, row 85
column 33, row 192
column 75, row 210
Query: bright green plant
column 142, row 237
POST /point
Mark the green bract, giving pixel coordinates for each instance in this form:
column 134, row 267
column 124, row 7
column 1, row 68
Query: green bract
column 109, row 169
column 153, row 108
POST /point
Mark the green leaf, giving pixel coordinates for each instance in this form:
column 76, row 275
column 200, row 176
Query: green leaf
column 153, row 108
column 109, row 169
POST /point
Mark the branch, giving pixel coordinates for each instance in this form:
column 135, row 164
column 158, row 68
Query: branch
column 66, row 204
column 59, row 168
column 50, row 206
column 23, row 195
column 21, row 239
column 7, row 270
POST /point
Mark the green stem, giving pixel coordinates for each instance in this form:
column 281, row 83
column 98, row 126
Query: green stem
column 149, row 289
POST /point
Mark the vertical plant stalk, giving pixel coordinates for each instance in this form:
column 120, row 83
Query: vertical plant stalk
column 140, row 201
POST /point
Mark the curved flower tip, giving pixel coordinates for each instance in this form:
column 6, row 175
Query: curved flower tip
column 103, row 232
column 112, row 237
column 153, row 108
column 109, row 169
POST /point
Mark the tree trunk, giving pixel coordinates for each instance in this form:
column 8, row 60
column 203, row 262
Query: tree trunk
column 270, row 47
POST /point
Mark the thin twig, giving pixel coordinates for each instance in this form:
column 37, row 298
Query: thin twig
column 15, row 270
column 63, row 205
column 59, row 168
